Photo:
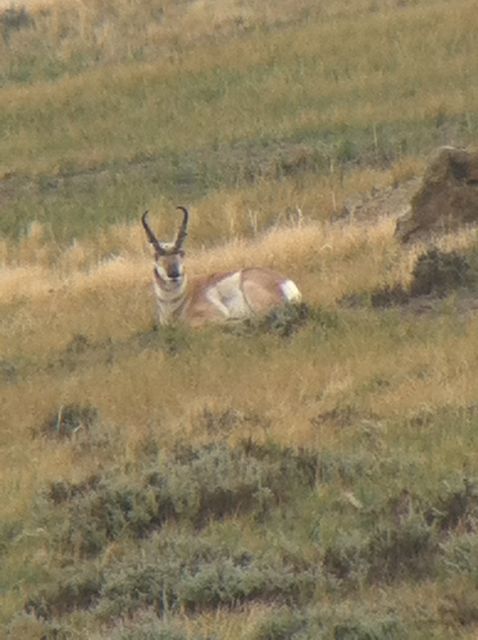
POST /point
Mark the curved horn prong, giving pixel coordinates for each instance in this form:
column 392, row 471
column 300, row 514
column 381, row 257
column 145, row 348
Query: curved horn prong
column 151, row 237
column 183, row 229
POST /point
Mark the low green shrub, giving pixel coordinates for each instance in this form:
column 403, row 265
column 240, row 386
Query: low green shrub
column 404, row 549
column 389, row 296
column 9, row 531
column 170, row 517
column 457, row 505
column 191, row 574
column 345, row 559
column 171, row 573
column 459, row 555
column 194, row 485
column 173, row 339
column 71, row 588
column 408, row 537
column 14, row 18
column 437, row 272
column 393, row 548
column 350, row 622
column 285, row 321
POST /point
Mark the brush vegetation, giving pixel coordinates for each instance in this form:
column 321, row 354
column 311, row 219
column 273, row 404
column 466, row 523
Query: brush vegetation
column 311, row 474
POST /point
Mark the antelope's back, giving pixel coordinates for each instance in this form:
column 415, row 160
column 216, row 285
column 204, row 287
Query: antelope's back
column 265, row 289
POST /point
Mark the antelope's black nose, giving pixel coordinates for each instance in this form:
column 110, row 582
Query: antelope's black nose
column 174, row 273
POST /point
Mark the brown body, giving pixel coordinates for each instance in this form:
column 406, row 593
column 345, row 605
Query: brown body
column 219, row 298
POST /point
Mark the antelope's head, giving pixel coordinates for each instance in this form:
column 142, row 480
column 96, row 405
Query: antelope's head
column 169, row 256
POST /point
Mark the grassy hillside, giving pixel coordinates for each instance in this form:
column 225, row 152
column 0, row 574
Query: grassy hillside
column 215, row 96
column 310, row 475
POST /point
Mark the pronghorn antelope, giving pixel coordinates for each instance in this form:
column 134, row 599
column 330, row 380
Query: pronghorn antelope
column 220, row 297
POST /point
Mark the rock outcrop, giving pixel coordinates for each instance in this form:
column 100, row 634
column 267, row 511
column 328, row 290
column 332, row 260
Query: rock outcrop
column 447, row 198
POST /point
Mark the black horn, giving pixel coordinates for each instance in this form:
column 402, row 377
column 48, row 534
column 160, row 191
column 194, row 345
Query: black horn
column 151, row 237
column 183, row 229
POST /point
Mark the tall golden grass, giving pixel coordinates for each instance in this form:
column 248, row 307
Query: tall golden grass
column 44, row 311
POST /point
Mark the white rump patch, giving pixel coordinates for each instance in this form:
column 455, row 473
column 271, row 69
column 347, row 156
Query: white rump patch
column 290, row 291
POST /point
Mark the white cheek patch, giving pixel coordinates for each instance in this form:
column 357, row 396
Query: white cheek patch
column 290, row 291
column 160, row 272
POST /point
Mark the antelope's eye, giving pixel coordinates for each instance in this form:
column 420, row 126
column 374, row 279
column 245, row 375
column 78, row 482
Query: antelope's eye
column 181, row 253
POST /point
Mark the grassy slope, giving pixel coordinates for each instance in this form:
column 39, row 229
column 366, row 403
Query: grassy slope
column 319, row 92
column 354, row 515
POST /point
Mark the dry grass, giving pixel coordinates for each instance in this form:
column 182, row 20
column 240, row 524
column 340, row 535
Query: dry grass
column 112, row 302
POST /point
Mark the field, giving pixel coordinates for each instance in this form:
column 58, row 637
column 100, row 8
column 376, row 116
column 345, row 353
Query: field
column 311, row 475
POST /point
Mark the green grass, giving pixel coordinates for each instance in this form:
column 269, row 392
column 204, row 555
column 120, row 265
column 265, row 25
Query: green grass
column 307, row 475
column 100, row 144
column 75, row 203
